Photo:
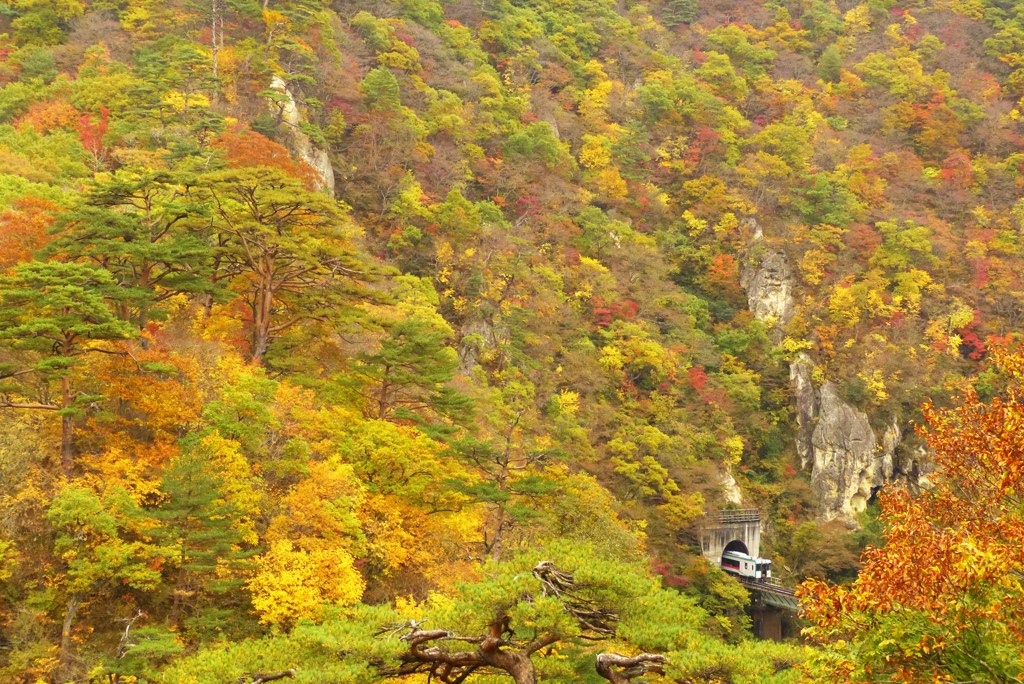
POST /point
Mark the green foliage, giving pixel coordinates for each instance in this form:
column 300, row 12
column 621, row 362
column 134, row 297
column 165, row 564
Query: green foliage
column 381, row 89
column 137, row 226
column 681, row 11
column 47, row 304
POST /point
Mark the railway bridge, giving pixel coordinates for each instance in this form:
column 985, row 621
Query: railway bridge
column 740, row 530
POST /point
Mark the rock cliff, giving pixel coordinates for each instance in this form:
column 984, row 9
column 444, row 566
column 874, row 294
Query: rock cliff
column 768, row 282
column 835, row 441
column 298, row 142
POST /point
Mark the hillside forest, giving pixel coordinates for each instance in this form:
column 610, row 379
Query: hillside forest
column 364, row 341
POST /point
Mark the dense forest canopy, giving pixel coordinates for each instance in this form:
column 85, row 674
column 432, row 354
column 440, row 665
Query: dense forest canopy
column 411, row 339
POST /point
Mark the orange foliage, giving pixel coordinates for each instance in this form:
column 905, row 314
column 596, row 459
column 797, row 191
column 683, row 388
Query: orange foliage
column 947, row 568
column 156, row 388
column 244, row 147
column 23, row 229
column 724, row 274
column 50, row 115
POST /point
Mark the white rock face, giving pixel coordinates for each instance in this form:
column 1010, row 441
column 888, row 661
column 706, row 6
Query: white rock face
column 299, row 143
column 731, row 489
column 768, row 281
column 834, row 440
column 847, row 460
column 806, row 399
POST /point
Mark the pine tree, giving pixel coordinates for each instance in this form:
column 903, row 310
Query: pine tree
column 142, row 227
column 287, row 250
column 408, row 375
column 57, row 312
column 681, row 11
column 203, row 528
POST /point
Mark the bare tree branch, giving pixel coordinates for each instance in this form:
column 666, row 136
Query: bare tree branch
column 262, row 677
column 500, row 650
column 620, row 669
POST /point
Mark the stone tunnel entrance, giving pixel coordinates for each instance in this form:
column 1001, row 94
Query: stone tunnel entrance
column 735, row 530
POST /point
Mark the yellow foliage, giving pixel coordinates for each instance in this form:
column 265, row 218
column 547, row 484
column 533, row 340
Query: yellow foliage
column 179, row 101
column 131, row 471
column 843, row 307
column 814, row 263
column 319, row 513
column 406, row 537
column 291, row 584
column 401, row 56
column 858, row 19
column 695, row 226
column 594, row 102
column 611, row 183
column 568, row 402
column 596, row 152
column 875, row 384
column 680, row 509
column 909, row 288
column 225, row 455
column 612, row 358
column 734, row 448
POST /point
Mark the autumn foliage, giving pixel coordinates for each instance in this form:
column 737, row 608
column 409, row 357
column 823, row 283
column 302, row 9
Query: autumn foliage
column 243, row 147
column 23, row 229
column 942, row 600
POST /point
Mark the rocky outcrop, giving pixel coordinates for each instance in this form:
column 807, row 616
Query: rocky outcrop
column 835, row 441
column 768, row 282
column 298, row 142
column 806, row 404
column 848, row 462
column 478, row 337
column 731, row 492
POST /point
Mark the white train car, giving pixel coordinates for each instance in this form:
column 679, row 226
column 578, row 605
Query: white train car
column 739, row 563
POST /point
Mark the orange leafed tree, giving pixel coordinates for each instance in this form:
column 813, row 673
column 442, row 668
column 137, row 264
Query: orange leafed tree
column 23, row 229
column 943, row 599
column 244, row 147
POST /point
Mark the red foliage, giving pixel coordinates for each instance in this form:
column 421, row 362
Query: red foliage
column 705, row 142
column 405, row 37
column 604, row 313
column 981, row 272
column 971, row 345
column 698, row 377
column 91, row 133
column 668, row 577
column 529, row 204
column 863, row 240
column 957, row 169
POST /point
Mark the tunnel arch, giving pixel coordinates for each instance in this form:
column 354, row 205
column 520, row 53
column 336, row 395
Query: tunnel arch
column 736, row 545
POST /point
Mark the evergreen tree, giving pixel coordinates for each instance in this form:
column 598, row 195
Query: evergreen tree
column 681, row 11
column 58, row 312
column 142, row 227
column 203, row 530
column 408, row 375
column 286, row 249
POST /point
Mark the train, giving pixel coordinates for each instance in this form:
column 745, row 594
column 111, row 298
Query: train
column 743, row 565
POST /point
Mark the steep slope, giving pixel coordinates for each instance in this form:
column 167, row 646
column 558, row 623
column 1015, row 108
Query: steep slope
column 593, row 268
